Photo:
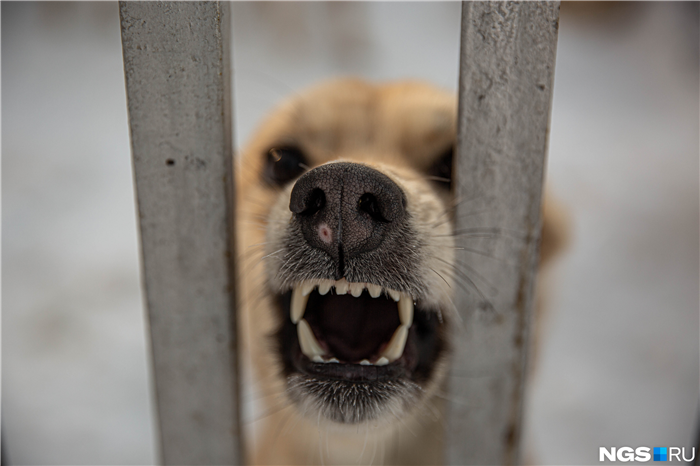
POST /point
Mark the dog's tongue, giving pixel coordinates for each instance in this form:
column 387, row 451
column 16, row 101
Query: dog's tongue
column 353, row 328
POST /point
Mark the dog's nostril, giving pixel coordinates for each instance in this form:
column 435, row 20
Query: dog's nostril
column 369, row 204
column 315, row 202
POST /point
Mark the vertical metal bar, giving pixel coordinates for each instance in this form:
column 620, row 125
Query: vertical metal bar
column 177, row 65
column 506, row 76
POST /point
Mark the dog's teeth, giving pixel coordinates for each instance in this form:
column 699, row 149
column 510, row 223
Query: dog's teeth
column 333, row 360
column 317, row 358
column 365, row 362
column 381, row 361
column 299, row 300
column 394, row 349
column 406, row 310
column 307, row 288
column 356, row 289
column 307, row 341
column 324, row 286
column 395, row 295
column 341, row 286
column 374, row 290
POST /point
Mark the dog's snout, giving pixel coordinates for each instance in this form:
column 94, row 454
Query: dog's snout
column 347, row 208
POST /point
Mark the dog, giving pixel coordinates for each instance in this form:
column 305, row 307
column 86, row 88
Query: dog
column 345, row 210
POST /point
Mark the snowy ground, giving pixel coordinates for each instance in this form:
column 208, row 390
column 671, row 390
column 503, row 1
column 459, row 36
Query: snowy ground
column 619, row 359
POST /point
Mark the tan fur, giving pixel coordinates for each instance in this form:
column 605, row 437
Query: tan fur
column 399, row 129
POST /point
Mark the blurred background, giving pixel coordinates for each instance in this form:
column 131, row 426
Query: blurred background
column 619, row 358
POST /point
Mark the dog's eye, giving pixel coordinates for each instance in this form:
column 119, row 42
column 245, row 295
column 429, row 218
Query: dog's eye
column 441, row 171
column 284, row 164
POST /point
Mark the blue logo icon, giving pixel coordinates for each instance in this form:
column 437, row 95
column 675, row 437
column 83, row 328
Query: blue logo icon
column 660, row 454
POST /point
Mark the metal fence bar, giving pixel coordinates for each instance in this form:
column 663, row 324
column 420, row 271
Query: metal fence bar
column 177, row 65
column 506, row 77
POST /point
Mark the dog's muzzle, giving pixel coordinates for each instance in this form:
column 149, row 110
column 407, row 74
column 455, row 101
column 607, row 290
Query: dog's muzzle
column 355, row 339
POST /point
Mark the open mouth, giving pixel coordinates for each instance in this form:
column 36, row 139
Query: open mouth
column 351, row 323
column 357, row 332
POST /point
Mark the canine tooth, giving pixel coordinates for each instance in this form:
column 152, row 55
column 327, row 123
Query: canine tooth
column 324, row 286
column 406, row 310
column 365, row 362
column 307, row 341
column 356, row 289
column 374, row 290
column 341, row 286
column 317, row 358
column 381, row 361
column 395, row 295
column 307, row 288
column 299, row 300
column 394, row 349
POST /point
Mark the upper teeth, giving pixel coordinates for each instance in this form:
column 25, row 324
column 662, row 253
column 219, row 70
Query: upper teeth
column 395, row 295
column 299, row 300
column 307, row 341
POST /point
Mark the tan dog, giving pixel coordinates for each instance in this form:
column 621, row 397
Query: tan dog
column 346, row 232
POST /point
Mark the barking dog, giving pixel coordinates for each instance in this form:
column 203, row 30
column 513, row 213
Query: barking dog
column 347, row 237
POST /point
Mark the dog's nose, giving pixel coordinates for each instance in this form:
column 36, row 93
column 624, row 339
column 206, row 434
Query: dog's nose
column 347, row 209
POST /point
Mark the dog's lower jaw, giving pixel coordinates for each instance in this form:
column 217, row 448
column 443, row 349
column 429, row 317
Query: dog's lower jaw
column 303, row 440
column 353, row 403
column 312, row 428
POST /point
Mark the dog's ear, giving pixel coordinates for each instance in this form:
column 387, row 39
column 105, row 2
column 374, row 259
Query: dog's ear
column 555, row 230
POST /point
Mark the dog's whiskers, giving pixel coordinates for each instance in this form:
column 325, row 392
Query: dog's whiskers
column 273, row 253
column 462, row 280
column 497, row 231
column 279, row 407
column 483, row 253
column 278, row 431
column 472, row 270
